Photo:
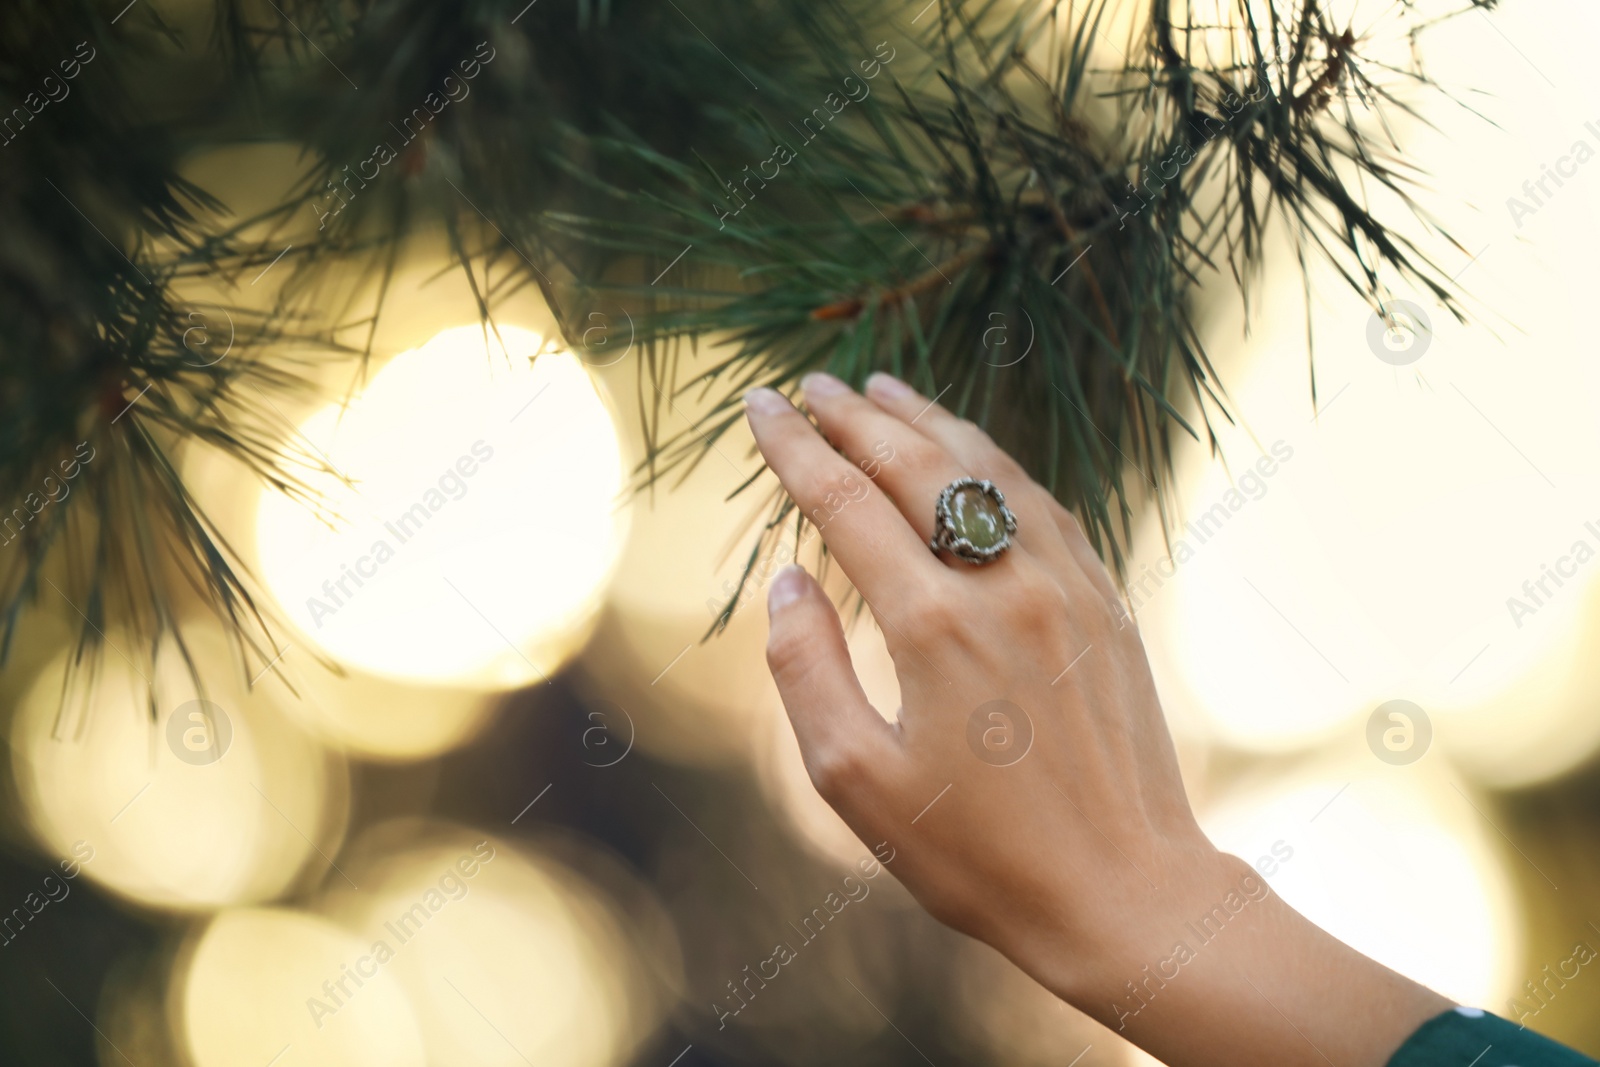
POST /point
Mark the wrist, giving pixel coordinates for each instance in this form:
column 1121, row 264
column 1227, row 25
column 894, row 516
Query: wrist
column 1197, row 892
column 1215, row 968
column 1088, row 943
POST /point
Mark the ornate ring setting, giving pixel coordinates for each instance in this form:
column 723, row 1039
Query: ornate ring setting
column 971, row 521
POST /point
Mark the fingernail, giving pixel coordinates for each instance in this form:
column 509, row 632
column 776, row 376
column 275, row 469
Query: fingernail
column 787, row 587
column 820, row 384
column 765, row 401
column 888, row 385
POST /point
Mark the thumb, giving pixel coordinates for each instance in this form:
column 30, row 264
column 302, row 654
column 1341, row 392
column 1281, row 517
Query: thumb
column 843, row 739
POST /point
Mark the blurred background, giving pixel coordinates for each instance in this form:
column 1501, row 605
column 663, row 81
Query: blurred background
column 533, row 816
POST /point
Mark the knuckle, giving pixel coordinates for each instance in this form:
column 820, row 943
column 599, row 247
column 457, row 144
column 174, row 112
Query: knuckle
column 920, row 454
column 980, row 435
column 824, row 494
column 836, row 769
column 1037, row 606
column 994, row 457
column 1068, row 521
column 949, row 908
column 789, row 654
column 925, row 618
column 1071, row 525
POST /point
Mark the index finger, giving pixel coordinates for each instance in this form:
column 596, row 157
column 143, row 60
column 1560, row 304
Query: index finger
column 878, row 550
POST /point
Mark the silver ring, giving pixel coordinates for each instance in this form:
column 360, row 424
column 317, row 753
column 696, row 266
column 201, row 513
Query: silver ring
column 971, row 521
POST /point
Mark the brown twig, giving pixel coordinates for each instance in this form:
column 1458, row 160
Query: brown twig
column 850, row 307
column 1318, row 93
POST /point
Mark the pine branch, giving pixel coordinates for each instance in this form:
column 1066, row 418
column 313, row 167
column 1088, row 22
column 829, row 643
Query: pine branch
column 106, row 368
column 989, row 213
column 967, row 188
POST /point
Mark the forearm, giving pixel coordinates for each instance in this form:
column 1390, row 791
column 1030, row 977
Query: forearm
column 1219, row 970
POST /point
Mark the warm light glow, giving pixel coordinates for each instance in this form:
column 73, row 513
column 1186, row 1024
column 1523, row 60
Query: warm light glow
column 349, row 709
column 1525, row 722
column 482, row 521
column 375, row 717
column 242, row 988
column 695, row 700
column 168, row 831
column 1376, row 558
column 1213, row 610
column 1395, row 863
column 1422, row 497
column 508, row 960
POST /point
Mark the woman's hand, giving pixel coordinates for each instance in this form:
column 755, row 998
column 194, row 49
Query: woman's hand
column 1029, row 787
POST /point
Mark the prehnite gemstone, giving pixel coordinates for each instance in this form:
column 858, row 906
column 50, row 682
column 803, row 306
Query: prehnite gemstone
column 977, row 517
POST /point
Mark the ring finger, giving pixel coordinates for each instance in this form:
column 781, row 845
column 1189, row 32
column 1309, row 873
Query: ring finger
column 973, row 448
column 911, row 468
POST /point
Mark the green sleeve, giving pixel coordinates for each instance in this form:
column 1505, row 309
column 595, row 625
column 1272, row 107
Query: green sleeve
column 1471, row 1037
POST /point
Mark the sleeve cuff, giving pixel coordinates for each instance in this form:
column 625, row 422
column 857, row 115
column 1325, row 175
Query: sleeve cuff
column 1472, row 1037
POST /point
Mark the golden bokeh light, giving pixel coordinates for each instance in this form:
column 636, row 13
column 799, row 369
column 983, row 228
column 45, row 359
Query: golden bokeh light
column 1540, row 723
column 507, row 958
column 1423, row 490
column 355, row 711
column 480, row 525
column 242, row 986
column 221, row 800
column 376, row 717
column 685, row 555
column 693, row 702
column 1396, row 862
column 1327, row 566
